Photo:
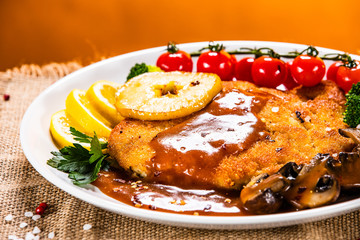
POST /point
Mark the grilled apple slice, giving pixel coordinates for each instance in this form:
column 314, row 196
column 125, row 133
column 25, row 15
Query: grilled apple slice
column 166, row 95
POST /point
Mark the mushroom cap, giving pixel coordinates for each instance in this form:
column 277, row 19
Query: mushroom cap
column 315, row 185
column 262, row 195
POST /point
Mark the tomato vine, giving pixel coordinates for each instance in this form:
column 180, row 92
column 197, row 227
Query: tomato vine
column 347, row 60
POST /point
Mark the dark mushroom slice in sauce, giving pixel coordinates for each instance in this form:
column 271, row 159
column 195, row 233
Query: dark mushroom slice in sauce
column 346, row 169
column 314, row 186
column 262, row 195
column 353, row 133
column 305, row 186
column 290, row 170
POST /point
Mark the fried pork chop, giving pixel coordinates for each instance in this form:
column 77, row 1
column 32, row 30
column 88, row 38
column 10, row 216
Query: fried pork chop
column 298, row 124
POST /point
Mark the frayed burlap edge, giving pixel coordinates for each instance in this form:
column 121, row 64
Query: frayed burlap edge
column 51, row 70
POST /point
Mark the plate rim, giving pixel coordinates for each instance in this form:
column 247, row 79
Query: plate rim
column 213, row 222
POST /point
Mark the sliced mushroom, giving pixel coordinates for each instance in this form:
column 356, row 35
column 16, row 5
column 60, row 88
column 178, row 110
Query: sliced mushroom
column 353, row 133
column 346, row 169
column 262, row 194
column 314, row 186
column 290, row 170
column 305, row 186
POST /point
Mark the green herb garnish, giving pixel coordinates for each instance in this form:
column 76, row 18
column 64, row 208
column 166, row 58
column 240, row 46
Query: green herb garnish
column 140, row 68
column 352, row 111
column 82, row 165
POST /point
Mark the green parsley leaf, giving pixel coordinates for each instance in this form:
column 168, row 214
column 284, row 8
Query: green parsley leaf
column 95, row 149
column 88, row 177
column 79, row 136
column 82, row 137
column 82, row 165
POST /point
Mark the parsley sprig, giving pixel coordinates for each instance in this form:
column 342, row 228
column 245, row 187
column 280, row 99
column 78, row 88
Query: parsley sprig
column 82, row 165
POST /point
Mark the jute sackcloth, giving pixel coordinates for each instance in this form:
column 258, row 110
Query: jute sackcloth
column 22, row 188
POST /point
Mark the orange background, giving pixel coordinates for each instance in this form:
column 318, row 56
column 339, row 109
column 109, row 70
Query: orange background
column 43, row 31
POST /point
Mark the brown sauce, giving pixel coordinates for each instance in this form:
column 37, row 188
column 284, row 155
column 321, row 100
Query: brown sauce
column 167, row 198
column 188, row 153
column 172, row 199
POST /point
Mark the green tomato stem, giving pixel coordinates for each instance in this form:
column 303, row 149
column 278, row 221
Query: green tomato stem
column 171, row 47
column 265, row 51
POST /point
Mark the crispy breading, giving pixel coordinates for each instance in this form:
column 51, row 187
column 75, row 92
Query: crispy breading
column 300, row 123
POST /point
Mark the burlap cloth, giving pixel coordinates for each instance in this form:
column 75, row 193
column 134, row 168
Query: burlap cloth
column 22, row 188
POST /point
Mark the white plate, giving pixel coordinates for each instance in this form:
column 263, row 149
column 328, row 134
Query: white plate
column 37, row 144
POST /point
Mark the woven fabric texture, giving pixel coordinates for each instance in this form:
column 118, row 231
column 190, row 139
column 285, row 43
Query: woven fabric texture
column 22, row 188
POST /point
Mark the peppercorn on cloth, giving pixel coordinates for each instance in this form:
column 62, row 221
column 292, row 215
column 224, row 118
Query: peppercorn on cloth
column 22, row 189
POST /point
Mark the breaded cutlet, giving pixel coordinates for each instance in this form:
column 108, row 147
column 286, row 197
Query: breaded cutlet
column 299, row 123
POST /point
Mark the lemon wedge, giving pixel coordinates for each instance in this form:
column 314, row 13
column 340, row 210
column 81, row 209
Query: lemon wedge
column 102, row 97
column 83, row 114
column 166, row 95
column 60, row 130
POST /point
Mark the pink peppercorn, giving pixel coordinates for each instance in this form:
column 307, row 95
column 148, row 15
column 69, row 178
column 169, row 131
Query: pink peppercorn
column 41, row 208
column 6, row 97
column 44, row 205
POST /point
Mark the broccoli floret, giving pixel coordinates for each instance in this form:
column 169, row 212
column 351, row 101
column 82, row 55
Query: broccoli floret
column 141, row 68
column 355, row 90
column 352, row 111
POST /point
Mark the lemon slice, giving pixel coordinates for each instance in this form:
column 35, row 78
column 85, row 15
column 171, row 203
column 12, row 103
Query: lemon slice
column 60, row 130
column 102, row 97
column 79, row 108
column 166, row 95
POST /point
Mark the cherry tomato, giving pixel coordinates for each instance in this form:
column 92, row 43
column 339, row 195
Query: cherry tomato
column 308, row 70
column 219, row 63
column 289, row 82
column 175, row 60
column 346, row 77
column 243, row 69
column 332, row 71
column 268, row 72
column 234, row 61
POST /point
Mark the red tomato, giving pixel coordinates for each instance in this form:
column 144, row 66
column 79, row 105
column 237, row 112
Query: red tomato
column 234, row 61
column 346, row 77
column 268, row 72
column 243, row 69
column 332, row 70
column 219, row 63
column 289, row 82
column 307, row 70
column 177, row 61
